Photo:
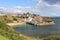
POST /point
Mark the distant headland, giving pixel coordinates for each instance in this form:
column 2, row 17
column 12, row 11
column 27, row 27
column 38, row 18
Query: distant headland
column 27, row 18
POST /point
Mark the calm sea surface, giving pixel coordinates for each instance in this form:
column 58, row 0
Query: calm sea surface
column 40, row 31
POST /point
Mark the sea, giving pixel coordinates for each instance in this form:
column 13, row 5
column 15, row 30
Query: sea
column 40, row 31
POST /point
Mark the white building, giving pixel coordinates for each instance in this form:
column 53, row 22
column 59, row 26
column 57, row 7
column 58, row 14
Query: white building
column 29, row 19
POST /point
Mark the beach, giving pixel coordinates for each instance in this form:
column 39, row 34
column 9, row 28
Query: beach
column 15, row 24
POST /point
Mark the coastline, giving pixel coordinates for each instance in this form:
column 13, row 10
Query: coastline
column 30, row 38
column 43, row 24
column 22, row 35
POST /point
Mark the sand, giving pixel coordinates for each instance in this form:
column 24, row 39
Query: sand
column 15, row 24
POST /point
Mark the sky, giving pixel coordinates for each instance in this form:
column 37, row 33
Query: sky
column 41, row 7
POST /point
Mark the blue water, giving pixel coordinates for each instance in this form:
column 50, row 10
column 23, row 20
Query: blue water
column 40, row 31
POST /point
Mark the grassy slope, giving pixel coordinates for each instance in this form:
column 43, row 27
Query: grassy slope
column 8, row 32
column 3, row 38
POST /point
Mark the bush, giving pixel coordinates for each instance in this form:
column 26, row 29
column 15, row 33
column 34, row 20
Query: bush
column 15, row 18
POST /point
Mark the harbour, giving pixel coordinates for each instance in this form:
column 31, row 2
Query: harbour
column 39, row 31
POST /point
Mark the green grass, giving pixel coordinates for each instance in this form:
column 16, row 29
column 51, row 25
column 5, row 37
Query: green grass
column 3, row 38
column 8, row 32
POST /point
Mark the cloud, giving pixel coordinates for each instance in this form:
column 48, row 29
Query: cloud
column 43, row 7
column 49, row 7
column 16, row 9
column 2, row 8
column 52, row 2
column 20, row 9
column 48, row 3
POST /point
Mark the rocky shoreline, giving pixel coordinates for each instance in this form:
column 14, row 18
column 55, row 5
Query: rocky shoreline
column 41, row 24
